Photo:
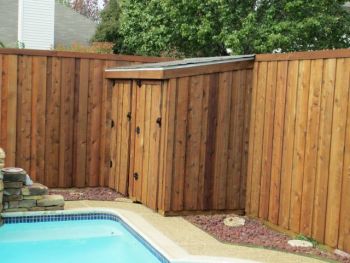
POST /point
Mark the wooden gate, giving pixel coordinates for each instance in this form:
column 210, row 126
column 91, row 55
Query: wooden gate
column 146, row 142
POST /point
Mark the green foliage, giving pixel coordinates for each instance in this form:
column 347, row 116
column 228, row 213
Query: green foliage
column 108, row 29
column 2, row 45
column 207, row 28
column 309, row 239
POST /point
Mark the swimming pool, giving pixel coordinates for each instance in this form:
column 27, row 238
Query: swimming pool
column 88, row 238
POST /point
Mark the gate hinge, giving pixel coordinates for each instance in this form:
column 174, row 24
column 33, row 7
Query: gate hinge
column 112, row 124
column 138, row 83
column 129, row 116
column 159, row 121
column 110, row 164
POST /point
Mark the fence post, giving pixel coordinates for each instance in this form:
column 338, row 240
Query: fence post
column 2, row 163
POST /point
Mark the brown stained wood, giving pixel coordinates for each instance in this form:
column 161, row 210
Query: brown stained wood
column 180, row 144
column 81, row 100
column 154, row 157
column 235, row 145
column 336, row 166
column 252, row 139
column 271, row 83
column 169, row 144
column 193, row 144
column 344, row 225
column 258, row 134
column 113, row 134
column 246, row 129
column 204, row 141
column 311, row 147
column 145, row 174
column 118, row 126
column 277, row 148
column 210, row 151
column 288, row 144
column 52, row 136
column 37, row 165
column 134, row 107
column 1, row 108
column 139, row 141
column 161, row 195
column 24, row 109
column 66, row 123
column 222, row 139
column 125, row 151
column 324, row 144
column 319, row 54
column 299, row 144
column 94, row 118
column 68, row 54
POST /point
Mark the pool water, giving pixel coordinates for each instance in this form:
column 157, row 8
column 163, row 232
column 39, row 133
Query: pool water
column 71, row 241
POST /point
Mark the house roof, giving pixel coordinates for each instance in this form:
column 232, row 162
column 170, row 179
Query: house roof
column 185, row 67
column 70, row 26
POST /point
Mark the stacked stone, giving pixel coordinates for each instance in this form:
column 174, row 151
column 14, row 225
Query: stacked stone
column 20, row 198
column 2, row 163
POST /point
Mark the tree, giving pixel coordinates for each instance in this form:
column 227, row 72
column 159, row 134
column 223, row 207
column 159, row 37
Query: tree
column 88, row 8
column 108, row 29
column 207, row 28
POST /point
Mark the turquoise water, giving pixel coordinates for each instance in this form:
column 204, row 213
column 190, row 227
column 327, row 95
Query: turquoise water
column 71, row 241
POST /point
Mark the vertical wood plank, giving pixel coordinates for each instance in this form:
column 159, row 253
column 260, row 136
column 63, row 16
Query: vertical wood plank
column 52, row 136
column 193, row 142
column 282, row 71
column 299, row 145
column 134, row 92
column 118, row 128
column 311, row 147
column 81, row 101
column 288, row 144
column 323, row 157
column 252, row 139
column 113, row 134
column 37, row 165
column 66, row 122
column 258, row 134
column 221, row 145
column 337, row 152
column 271, row 83
column 180, row 143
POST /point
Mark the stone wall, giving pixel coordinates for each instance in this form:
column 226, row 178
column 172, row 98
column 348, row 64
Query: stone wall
column 19, row 197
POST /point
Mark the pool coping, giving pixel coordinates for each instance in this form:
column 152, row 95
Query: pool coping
column 157, row 240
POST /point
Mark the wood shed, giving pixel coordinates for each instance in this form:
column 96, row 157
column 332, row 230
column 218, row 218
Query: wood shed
column 179, row 133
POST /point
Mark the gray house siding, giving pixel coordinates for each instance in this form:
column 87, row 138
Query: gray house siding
column 70, row 27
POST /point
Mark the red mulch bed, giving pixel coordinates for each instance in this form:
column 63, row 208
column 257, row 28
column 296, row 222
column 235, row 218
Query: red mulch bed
column 255, row 233
column 95, row 193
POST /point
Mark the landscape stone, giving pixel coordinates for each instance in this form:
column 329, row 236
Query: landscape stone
column 51, row 200
column 27, row 203
column 234, row 221
column 32, row 197
column 13, row 204
column 12, row 191
column 300, row 243
column 1, row 185
column 16, row 210
column 1, row 198
column 36, row 208
column 35, row 189
column 13, row 184
column 12, row 174
column 13, row 197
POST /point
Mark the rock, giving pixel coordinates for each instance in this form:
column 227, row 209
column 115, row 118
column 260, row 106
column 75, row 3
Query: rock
column 54, row 208
column 1, row 198
column 13, row 184
column 13, row 174
column 299, row 243
column 16, row 210
column 51, row 200
column 234, row 221
column 27, row 203
column 13, row 197
column 35, row 189
column 32, row 197
column 12, row 191
column 13, row 204
column 1, row 185
column 36, row 208
column 341, row 253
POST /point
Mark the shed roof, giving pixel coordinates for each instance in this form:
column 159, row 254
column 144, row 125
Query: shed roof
column 181, row 68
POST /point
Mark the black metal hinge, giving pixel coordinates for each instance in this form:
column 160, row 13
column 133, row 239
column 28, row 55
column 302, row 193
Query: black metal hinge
column 159, row 121
column 129, row 116
column 139, row 83
column 112, row 124
column 110, row 164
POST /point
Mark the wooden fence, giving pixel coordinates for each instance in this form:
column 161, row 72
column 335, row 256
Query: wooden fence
column 299, row 151
column 52, row 113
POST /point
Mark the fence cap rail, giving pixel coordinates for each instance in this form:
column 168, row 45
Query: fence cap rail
column 83, row 55
column 319, row 54
column 181, row 68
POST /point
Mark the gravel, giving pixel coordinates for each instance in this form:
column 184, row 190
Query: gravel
column 255, row 233
column 96, row 193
